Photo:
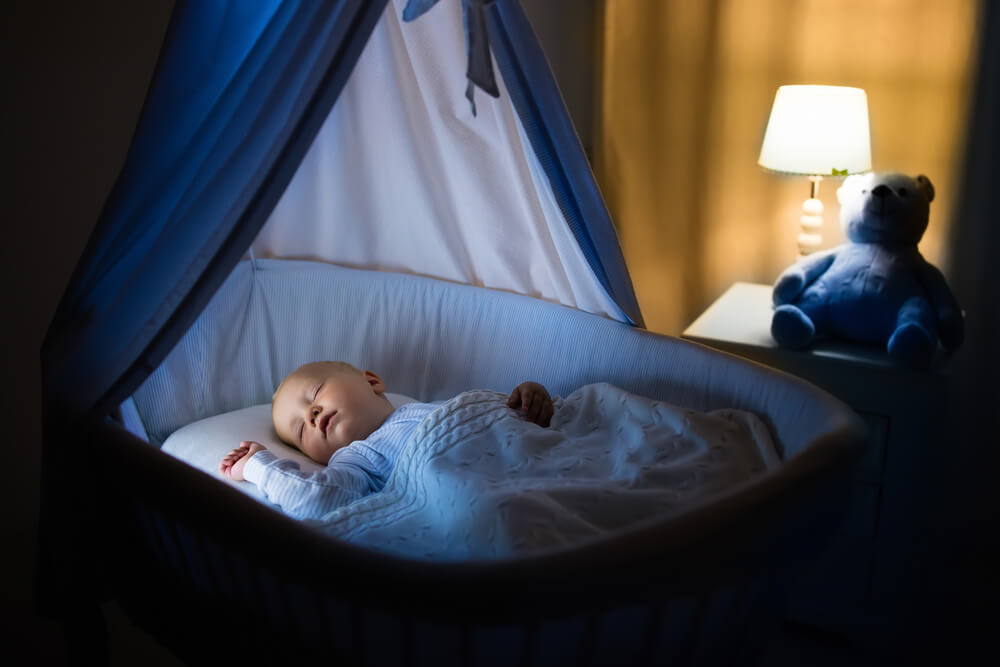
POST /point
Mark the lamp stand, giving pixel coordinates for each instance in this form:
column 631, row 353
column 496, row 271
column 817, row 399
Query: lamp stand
column 811, row 236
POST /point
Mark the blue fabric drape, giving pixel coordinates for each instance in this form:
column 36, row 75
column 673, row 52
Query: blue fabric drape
column 239, row 93
column 543, row 114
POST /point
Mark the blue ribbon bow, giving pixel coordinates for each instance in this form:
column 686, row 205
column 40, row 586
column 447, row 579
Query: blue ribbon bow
column 479, row 71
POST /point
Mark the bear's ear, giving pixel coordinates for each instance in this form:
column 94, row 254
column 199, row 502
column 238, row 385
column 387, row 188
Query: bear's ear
column 847, row 188
column 926, row 187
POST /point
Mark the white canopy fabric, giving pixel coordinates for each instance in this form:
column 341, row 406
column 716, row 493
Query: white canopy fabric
column 403, row 177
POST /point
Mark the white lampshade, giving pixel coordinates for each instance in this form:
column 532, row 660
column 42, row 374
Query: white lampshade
column 817, row 130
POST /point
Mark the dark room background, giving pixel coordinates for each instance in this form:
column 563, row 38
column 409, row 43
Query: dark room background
column 75, row 76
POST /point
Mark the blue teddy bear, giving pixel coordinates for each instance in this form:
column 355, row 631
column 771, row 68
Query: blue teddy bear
column 876, row 289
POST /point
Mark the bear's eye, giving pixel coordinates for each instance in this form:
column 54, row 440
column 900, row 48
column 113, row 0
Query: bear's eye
column 903, row 192
column 864, row 192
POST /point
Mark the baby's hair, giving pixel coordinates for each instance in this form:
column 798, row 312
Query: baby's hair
column 335, row 366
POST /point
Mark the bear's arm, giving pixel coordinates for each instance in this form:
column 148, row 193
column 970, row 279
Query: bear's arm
column 951, row 322
column 800, row 275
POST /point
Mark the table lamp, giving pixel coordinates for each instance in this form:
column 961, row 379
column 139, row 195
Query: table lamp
column 816, row 131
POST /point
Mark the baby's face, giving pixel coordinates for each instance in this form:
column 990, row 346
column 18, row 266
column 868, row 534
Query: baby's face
column 320, row 409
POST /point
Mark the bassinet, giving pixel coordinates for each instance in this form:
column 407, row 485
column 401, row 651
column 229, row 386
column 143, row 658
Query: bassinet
column 684, row 588
column 193, row 561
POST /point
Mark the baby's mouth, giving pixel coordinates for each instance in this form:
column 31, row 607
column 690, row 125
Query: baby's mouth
column 324, row 423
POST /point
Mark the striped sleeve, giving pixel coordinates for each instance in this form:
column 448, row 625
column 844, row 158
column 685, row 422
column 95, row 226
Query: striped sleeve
column 305, row 495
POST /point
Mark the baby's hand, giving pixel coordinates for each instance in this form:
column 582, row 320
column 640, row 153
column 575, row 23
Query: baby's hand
column 534, row 400
column 231, row 465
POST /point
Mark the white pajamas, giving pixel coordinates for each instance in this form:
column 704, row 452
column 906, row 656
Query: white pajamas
column 353, row 472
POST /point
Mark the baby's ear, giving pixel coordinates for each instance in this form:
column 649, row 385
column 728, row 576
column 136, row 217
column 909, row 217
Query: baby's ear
column 375, row 382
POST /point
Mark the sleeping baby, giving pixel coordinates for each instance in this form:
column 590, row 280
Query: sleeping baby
column 339, row 416
column 487, row 474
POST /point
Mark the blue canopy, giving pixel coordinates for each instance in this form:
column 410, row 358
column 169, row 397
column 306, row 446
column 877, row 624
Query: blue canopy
column 238, row 95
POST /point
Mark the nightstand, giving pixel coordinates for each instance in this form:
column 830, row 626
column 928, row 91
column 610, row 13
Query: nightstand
column 862, row 584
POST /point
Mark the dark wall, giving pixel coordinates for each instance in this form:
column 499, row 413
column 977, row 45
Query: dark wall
column 568, row 32
column 75, row 76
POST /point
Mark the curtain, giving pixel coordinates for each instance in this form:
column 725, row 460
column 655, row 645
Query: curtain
column 404, row 176
column 534, row 93
column 238, row 95
column 685, row 93
column 964, row 601
column 239, row 92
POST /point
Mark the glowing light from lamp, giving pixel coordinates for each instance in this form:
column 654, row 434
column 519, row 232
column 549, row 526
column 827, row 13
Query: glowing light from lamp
column 817, row 131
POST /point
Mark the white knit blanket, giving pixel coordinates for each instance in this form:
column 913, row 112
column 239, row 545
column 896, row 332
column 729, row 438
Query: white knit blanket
column 478, row 481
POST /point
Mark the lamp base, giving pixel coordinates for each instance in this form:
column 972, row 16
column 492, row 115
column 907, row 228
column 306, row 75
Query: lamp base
column 811, row 237
column 811, row 221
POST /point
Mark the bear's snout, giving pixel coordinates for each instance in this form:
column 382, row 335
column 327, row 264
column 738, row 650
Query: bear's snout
column 882, row 191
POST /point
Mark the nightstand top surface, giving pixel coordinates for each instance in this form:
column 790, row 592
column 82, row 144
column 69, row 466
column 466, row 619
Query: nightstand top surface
column 741, row 318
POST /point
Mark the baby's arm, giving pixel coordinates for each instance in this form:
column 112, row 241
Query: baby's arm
column 311, row 495
column 232, row 464
column 534, row 400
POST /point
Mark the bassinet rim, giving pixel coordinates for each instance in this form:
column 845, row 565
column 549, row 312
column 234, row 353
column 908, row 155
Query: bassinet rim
column 549, row 583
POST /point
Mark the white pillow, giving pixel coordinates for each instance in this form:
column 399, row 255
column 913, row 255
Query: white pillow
column 202, row 444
